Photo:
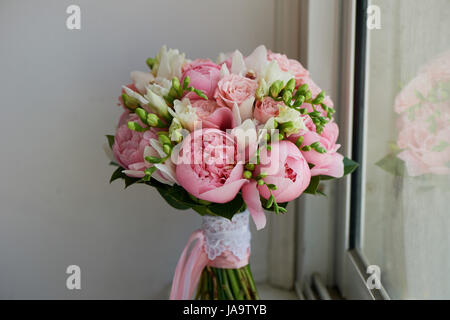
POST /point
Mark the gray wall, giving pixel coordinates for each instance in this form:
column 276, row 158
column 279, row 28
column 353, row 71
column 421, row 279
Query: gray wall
column 58, row 99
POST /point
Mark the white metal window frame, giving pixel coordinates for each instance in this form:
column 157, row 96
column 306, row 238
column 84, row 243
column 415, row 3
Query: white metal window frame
column 323, row 227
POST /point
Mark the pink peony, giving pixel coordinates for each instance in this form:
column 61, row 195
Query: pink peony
column 298, row 70
column 204, row 75
column 281, row 59
column 212, row 115
column 408, row 97
column 426, row 148
column 207, row 166
column 291, row 65
column 266, row 109
column 287, row 169
column 129, row 146
column 234, row 88
column 329, row 163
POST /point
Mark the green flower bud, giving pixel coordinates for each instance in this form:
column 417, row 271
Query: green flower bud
column 176, row 85
column 152, row 159
column 315, row 145
column 299, row 141
column 303, row 89
column 321, row 150
column 287, row 97
column 280, row 136
column 300, row 100
column 135, row 126
column 150, row 62
column 275, row 88
column 319, row 98
column 262, row 175
column 186, row 82
column 260, row 182
column 250, row 166
column 290, row 85
column 167, row 148
column 303, row 110
column 130, row 102
column 287, row 126
column 154, row 121
column 142, row 114
column 247, row 174
column 164, row 139
column 306, row 148
column 308, row 95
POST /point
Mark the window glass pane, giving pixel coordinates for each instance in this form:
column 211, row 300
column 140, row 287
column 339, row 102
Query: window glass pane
column 405, row 208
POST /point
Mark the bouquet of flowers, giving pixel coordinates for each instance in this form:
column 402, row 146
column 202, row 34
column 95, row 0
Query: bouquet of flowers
column 422, row 147
column 229, row 140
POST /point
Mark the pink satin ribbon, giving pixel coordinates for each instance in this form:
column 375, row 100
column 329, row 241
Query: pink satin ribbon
column 190, row 267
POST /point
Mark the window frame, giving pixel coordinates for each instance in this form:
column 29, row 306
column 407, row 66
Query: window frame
column 351, row 262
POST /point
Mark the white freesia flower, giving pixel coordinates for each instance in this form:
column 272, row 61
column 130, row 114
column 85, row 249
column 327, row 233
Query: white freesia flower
column 160, row 86
column 287, row 114
column 272, row 72
column 223, row 57
column 224, row 71
column 166, row 172
column 237, row 63
column 169, row 63
column 141, row 80
column 246, row 139
column 185, row 113
column 257, row 60
column 255, row 63
column 157, row 104
column 135, row 95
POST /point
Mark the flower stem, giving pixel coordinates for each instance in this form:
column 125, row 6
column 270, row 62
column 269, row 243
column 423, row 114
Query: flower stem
column 243, row 283
column 226, row 286
column 251, row 281
column 234, row 284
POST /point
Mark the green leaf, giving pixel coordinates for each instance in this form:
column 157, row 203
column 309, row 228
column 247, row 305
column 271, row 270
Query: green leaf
column 229, row 209
column 117, row 174
column 441, row 146
column 130, row 181
column 313, row 184
column 392, row 164
column 349, row 166
column 110, row 140
column 176, row 197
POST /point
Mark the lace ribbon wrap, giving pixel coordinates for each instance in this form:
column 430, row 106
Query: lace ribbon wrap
column 220, row 243
column 224, row 235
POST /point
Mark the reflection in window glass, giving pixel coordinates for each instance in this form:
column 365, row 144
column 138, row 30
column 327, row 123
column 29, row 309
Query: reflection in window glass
column 406, row 213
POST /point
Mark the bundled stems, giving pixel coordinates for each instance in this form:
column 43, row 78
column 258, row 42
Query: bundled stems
column 227, row 284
